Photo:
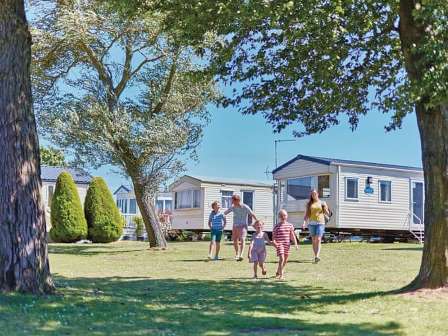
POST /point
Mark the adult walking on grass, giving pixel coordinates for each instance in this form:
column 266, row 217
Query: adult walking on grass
column 315, row 213
column 241, row 214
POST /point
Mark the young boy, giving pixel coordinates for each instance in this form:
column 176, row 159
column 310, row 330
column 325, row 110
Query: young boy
column 216, row 223
column 282, row 235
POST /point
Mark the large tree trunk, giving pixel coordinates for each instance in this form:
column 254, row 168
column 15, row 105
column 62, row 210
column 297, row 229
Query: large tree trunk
column 23, row 247
column 433, row 127
column 145, row 200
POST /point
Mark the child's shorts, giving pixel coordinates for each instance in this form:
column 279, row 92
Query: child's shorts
column 257, row 256
column 216, row 235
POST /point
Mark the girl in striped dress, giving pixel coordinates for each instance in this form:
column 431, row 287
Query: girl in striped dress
column 282, row 235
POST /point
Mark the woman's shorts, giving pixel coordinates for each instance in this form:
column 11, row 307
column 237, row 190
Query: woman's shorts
column 239, row 232
column 216, row 235
column 316, row 229
column 257, row 256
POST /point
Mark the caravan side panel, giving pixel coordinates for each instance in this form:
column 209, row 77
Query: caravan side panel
column 368, row 212
column 188, row 219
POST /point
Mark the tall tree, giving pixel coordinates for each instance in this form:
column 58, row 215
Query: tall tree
column 50, row 156
column 118, row 91
column 23, row 247
column 309, row 62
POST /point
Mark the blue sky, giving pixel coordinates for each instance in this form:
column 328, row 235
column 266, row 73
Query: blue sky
column 242, row 146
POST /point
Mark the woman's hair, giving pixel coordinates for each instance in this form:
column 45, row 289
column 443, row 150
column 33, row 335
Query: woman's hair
column 215, row 203
column 310, row 202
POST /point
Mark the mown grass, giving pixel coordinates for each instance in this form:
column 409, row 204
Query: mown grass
column 125, row 289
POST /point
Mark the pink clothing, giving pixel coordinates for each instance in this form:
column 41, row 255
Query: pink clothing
column 282, row 236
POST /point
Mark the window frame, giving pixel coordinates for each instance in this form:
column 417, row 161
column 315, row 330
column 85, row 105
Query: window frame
column 253, row 197
column 390, row 191
column 312, row 185
column 192, row 200
column 222, row 197
column 329, row 186
column 347, row 198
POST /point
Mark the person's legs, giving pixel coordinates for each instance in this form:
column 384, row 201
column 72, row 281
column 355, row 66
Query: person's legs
column 281, row 262
column 318, row 246
column 235, row 238
column 255, row 270
column 263, row 269
column 210, row 249
column 315, row 247
column 217, row 248
column 243, row 240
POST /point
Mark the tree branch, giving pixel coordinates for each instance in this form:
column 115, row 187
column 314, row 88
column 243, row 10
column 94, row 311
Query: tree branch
column 167, row 89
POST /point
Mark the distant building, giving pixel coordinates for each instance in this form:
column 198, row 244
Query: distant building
column 194, row 195
column 127, row 204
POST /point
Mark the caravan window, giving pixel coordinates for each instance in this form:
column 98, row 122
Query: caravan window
column 226, row 198
column 300, row 188
column 188, row 199
column 351, row 188
column 132, row 206
column 385, row 191
column 323, row 186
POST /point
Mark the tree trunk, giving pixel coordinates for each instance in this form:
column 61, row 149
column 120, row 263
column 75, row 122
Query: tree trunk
column 145, row 201
column 433, row 127
column 23, row 247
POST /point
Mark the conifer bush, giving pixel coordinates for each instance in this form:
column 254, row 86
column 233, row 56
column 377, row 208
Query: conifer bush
column 67, row 218
column 104, row 221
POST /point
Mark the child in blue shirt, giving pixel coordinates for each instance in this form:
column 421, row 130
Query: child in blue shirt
column 216, row 223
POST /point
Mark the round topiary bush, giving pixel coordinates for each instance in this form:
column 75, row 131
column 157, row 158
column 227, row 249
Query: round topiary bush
column 104, row 220
column 67, row 218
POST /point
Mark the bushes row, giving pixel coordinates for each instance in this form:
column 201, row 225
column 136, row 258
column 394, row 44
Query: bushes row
column 101, row 221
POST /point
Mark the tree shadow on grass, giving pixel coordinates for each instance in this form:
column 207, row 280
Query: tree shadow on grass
column 136, row 306
column 87, row 249
column 416, row 248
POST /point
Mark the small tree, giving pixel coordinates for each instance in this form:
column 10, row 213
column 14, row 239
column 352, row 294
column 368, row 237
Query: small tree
column 138, row 221
column 136, row 98
column 67, row 218
column 104, row 221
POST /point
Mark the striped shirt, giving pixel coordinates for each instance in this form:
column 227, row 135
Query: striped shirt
column 282, row 233
column 216, row 219
column 240, row 214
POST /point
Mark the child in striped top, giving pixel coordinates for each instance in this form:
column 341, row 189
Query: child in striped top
column 216, row 223
column 282, row 235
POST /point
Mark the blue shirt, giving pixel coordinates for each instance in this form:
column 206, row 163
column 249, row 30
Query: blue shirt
column 217, row 220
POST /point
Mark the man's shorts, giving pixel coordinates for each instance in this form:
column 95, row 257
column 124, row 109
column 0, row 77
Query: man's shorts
column 239, row 232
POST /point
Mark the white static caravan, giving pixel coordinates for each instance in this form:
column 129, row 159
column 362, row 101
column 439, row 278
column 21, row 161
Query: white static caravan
column 127, row 204
column 364, row 196
column 193, row 196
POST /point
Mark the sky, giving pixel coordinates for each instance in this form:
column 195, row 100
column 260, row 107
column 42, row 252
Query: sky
column 242, row 146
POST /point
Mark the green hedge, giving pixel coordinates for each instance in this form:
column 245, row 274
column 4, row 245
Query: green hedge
column 67, row 219
column 104, row 220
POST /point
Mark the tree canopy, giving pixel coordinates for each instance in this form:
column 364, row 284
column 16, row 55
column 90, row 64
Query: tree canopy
column 50, row 156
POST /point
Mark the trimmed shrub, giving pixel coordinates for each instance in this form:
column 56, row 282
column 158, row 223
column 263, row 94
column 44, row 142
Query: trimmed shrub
column 67, row 219
column 139, row 225
column 104, row 220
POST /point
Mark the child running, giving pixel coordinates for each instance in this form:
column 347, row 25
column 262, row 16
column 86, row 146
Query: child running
column 216, row 223
column 282, row 234
column 257, row 248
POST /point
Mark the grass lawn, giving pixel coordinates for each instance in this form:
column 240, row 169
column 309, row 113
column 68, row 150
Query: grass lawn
column 125, row 289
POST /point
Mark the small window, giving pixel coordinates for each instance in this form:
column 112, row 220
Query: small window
column 122, row 205
column 132, row 206
column 351, row 188
column 188, row 199
column 323, row 186
column 168, row 205
column 248, row 199
column 385, row 191
column 159, row 206
column 226, row 198
column 50, row 194
column 299, row 188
